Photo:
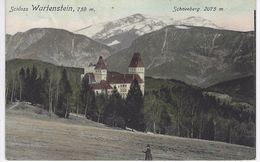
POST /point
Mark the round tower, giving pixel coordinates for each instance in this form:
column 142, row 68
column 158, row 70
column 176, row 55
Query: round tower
column 136, row 66
column 100, row 70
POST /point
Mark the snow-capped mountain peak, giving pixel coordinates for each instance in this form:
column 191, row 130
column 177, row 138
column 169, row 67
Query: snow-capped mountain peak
column 133, row 18
column 137, row 22
column 123, row 30
column 126, row 29
column 196, row 21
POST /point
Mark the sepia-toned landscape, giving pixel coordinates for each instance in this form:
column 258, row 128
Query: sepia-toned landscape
column 132, row 87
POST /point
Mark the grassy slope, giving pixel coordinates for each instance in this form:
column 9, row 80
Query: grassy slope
column 32, row 136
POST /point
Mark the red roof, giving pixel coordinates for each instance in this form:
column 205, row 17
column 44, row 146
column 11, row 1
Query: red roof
column 100, row 64
column 102, row 85
column 115, row 78
column 136, row 61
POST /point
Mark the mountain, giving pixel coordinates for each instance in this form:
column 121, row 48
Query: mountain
column 195, row 21
column 121, row 32
column 7, row 37
column 196, row 55
column 55, row 46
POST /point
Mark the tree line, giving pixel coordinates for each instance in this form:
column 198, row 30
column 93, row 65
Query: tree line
column 190, row 112
column 30, row 86
column 58, row 97
column 179, row 110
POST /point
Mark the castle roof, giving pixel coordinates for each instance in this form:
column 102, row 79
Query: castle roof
column 102, row 85
column 101, row 63
column 136, row 61
column 117, row 78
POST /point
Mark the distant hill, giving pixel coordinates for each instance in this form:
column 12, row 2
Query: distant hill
column 154, row 84
column 13, row 67
column 241, row 89
column 56, row 46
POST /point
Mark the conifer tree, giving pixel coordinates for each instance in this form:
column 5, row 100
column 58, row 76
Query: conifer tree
column 22, row 83
column 101, row 101
column 87, row 100
column 91, row 111
column 83, row 94
column 165, row 121
column 34, row 86
column 46, row 88
column 65, row 92
column 115, row 110
column 134, row 107
column 27, row 85
column 34, row 73
column 38, row 85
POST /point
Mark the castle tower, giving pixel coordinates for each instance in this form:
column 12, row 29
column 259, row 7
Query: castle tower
column 100, row 70
column 136, row 66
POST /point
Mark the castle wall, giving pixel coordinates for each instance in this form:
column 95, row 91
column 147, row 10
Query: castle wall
column 125, row 87
column 103, row 91
column 122, row 88
column 137, row 70
column 100, row 74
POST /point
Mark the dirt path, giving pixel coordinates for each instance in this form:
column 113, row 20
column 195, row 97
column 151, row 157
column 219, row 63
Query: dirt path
column 13, row 106
column 44, row 138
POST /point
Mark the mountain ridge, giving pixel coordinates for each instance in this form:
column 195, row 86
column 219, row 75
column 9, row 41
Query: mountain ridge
column 196, row 55
column 57, row 46
column 133, row 26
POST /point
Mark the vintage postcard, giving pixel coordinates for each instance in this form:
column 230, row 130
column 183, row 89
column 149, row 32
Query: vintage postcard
column 130, row 80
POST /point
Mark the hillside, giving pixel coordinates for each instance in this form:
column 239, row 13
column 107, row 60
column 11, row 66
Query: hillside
column 241, row 89
column 40, row 136
column 55, row 46
column 196, row 55
column 13, row 67
column 152, row 84
column 168, row 99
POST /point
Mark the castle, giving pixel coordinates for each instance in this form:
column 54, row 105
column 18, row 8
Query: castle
column 103, row 81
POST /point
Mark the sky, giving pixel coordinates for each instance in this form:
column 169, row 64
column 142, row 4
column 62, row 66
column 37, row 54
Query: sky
column 236, row 14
